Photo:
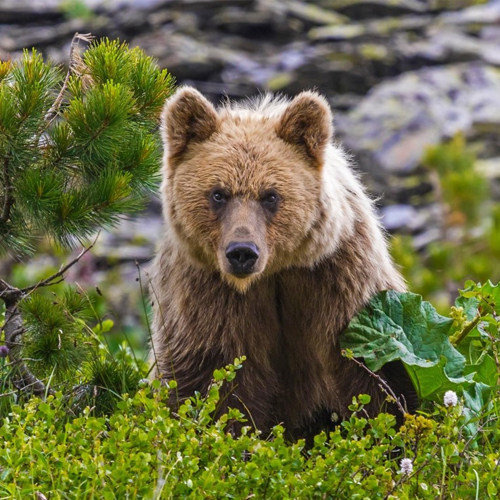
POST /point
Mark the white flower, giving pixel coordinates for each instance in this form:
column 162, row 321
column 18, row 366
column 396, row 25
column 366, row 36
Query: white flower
column 406, row 466
column 144, row 382
column 450, row 399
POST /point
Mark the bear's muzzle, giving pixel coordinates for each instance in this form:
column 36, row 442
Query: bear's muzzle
column 242, row 256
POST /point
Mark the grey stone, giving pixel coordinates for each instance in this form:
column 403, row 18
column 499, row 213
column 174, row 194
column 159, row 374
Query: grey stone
column 392, row 127
column 488, row 13
column 376, row 28
column 365, row 9
column 397, row 217
column 447, row 45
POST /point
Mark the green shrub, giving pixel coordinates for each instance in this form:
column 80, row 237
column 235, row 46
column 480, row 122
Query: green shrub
column 142, row 450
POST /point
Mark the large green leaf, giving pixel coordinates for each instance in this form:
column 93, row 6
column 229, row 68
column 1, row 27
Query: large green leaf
column 432, row 381
column 402, row 326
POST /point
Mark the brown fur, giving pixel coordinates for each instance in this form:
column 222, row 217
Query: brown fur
column 322, row 256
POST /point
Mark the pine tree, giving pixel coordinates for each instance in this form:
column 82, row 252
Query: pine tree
column 78, row 152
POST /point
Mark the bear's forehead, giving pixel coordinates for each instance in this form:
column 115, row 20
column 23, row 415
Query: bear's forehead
column 245, row 156
column 250, row 141
column 244, row 160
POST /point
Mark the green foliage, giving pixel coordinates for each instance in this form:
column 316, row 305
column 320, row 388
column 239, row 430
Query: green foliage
column 142, row 450
column 60, row 348
column 440, row 354
column 104, row 431
column 77, row 153
column 54, row 340
column 469, row 242
column 401, row 326
column 76, row 9
column 64, row 178
column 464, row 190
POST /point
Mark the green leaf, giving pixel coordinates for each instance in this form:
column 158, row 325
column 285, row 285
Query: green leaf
column 402, row 326
column 103, row 326
column 432, row 381
column 485, row 371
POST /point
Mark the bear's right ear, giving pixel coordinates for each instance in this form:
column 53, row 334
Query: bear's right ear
column 187, row 117
column 307, row 123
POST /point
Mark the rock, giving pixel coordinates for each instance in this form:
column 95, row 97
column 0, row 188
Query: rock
column 397, row 217
column 376, row 28
column 29, row 11
column 366, row 9
column 342, row 32
column 424, row 239
column 447, row 45
column 186, row 57
column 15, row 38
column 471, row 17
column 312, row 14
column 489, row 167
column 392, row 127
column 248, row 24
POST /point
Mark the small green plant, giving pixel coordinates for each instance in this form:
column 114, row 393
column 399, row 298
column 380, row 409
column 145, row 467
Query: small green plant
column 143, row 450
column 76, row 9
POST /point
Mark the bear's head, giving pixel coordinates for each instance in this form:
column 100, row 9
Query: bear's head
column 242, row 186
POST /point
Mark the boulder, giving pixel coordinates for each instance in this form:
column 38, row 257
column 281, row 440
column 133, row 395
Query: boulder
column 391, row 128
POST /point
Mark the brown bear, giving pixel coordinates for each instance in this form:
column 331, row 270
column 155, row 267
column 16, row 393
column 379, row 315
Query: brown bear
column 270, row 247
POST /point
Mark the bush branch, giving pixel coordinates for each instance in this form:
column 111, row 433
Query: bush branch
column 382, row 384
column 59, row 276
column 8, row 198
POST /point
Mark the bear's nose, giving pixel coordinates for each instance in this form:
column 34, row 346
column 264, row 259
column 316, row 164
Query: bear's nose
column 242, row 255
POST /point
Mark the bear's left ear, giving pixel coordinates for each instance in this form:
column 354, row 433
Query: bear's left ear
column 307, row 122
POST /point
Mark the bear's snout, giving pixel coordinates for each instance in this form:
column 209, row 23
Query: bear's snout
column 242, row 256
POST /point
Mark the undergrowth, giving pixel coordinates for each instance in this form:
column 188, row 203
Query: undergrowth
column 143, row 450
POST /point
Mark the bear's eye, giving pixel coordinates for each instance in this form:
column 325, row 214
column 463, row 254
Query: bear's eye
column 270, row 200
column 218, row 197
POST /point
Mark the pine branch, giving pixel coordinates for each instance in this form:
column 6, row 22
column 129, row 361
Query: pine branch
column 14, row 329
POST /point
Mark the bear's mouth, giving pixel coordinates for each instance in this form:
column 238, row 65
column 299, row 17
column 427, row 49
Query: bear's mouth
column 241, row 276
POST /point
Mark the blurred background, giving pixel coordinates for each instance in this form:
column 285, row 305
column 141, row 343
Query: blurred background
column 415, row 89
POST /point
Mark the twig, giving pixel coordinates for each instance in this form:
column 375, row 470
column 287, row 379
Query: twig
column 382, row 384
column 52, row 112
column 60, row 274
